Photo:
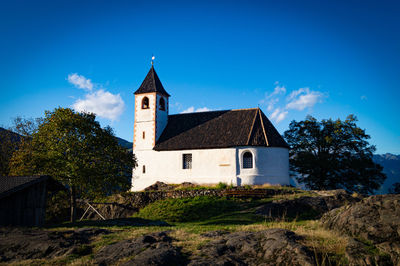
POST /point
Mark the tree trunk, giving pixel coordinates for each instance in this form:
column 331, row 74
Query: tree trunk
column 73, row 204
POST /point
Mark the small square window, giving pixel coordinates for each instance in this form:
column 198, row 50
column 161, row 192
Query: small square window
column 187, row 161
column 144, row 135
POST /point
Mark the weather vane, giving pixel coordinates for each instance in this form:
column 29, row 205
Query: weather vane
column 152, row 59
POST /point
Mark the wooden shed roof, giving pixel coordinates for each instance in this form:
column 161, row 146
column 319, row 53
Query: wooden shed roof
column 12, row 184
column 219, row 129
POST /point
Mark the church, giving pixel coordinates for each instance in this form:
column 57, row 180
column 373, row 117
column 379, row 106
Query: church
column 238, row 147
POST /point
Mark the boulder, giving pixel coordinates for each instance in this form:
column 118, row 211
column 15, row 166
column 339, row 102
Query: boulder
column 159, row 186
column 151, row 249
column 307, row 207
column 375, row 219
column 21, row 244
column 269, row 247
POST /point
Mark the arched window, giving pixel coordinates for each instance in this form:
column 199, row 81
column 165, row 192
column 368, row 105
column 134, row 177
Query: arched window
column 247, row 160
column 145, row 103
column 162, row 104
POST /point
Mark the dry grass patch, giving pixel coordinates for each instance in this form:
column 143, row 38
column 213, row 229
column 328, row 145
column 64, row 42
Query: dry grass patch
column 189, row 242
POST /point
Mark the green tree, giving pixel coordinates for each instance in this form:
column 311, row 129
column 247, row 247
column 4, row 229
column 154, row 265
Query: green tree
column 73, row 148
column 333, row 154
column 395, row 188
column 8, row 144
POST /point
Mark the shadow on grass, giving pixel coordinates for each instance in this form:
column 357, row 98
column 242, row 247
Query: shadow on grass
column 233, row 218
column 130, row 222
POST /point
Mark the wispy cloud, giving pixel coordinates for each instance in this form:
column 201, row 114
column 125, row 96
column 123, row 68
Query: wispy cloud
column 99, row 101
column 191, row 109
column 80, row 81
column 303, row 98
column 271, row 98
column 363, row 97
column 278, row 115
column 297, row 100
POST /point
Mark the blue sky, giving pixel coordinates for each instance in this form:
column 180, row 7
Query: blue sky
column 292, row 58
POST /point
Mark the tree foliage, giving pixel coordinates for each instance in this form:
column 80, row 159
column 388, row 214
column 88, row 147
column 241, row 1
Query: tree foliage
column 333, row 154
column 73, row 148
column 395, row 188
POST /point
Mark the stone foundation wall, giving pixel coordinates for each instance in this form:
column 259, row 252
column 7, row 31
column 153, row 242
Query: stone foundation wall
column 126, row 204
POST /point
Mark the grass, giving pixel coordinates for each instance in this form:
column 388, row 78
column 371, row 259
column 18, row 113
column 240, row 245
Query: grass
column 188, row 218
column 187, row 209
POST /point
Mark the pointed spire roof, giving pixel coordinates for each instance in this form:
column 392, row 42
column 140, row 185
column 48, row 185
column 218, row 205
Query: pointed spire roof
column 152, row 83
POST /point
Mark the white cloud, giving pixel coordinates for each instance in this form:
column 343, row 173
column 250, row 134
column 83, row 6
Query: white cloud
column 303, row 98
column 103, row 103
column 279, row 105
column 203, row 109
column 279, row 114
column 189, row 110
column 192, row 110
column 270, row 98
column 80, row 81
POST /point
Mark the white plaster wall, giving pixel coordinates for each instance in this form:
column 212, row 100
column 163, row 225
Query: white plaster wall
column 144, row 122
column 143, row 115
column 270, row 165
column 208, row 166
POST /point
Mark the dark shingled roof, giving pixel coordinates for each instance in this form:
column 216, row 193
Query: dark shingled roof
column 152, row 83
column 12, row 184
column 219, row 129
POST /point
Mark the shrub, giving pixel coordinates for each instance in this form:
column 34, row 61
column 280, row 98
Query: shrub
column 221, row 185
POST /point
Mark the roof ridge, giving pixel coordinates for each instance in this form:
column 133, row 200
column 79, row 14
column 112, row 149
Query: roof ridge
column 251, row 128
column 263, row 127
column 225, row 110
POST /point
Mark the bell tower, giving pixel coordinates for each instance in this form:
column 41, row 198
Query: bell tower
column 151, row 112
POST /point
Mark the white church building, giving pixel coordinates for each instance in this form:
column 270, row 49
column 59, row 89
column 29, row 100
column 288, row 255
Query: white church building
column 238, row 147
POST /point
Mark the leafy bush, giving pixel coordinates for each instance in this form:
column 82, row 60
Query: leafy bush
column 221, row 185
column 187, row 209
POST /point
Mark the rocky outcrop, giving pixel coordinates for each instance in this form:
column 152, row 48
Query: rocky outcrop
column 269, row 247
column 152, row 249
column 307, row 207
column 22, row 244
column 375, row 219
column 159, row 186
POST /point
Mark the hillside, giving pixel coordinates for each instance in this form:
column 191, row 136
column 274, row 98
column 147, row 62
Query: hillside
column 124, row 143
column 284, row 226
column 391, row 167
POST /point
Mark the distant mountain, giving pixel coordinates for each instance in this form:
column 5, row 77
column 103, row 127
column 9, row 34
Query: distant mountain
column 126, row 144
column 5, row 133
column 391, row 167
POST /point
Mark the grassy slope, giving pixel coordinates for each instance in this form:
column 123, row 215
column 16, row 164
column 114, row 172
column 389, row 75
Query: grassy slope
column 188, row 218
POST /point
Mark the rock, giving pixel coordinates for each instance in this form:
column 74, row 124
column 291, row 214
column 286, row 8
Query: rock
column 358, row 253
column 159, row 186
column 152, row 249
column 21, row 244
column 213, row 234
column 269, row 247
column 375, row 219
column 306, row 207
